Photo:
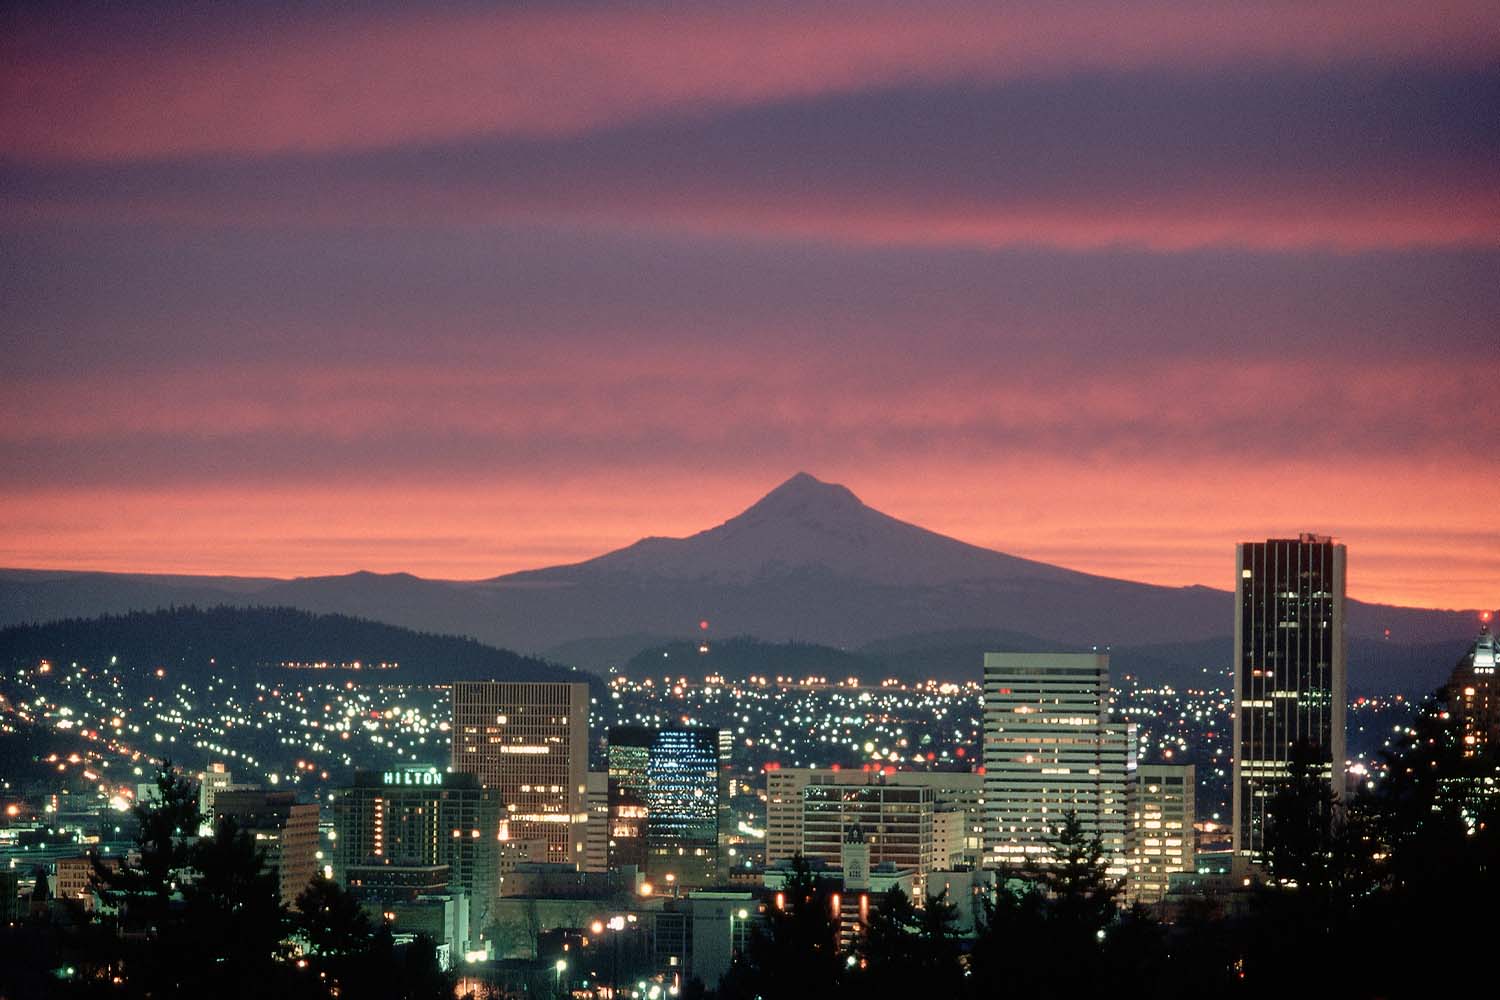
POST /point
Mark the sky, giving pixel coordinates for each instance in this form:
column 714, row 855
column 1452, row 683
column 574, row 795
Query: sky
column 296, row 289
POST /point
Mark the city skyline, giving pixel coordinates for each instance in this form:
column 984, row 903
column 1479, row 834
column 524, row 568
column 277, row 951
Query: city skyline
column 458, row 292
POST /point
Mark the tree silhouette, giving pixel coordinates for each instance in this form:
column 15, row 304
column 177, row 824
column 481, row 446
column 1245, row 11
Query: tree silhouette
column 905, row 950
column 795, row 954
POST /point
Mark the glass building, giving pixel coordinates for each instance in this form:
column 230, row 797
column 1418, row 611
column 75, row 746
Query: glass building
column 664, row 803
column 1290, row 684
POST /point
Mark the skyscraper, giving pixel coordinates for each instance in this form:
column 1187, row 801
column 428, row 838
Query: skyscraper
column 665, row 787
column 529, row 741
column 628, row 750
column 1290, row 685
column 1051, row 748
column 421, row 816
column 682, row 806
column 1162, row 842
column 1473, row 693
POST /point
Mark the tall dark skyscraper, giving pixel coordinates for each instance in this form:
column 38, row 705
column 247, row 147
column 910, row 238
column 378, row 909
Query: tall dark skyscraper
column 1290, row 683
column 629, row 748
column 664, row 790
column 1474, row 691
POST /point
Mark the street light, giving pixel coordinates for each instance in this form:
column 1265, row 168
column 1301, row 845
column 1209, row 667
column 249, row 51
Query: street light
column 742, row 913
column 561, row 965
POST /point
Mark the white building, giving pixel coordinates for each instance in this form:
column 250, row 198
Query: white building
column 1162, row 842
column 1050, row 748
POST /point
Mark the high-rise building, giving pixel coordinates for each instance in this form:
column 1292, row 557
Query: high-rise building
column 1290, row 687
column 1050, row 748
column 682, row 806
column 665, row 791
column 529, row 741
column 422, row 816
column 596, row 841
column 1162, row 837
column 287, row 830
column 895, row 821
column 1473, row 693
column 628, row 749
column 958, row 812
column 215, row 779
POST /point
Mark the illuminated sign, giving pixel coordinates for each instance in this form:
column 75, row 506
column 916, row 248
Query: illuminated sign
column 413, row 776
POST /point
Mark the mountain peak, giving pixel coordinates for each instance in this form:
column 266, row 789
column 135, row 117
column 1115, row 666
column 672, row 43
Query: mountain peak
column 804, row 525
column 803, row 492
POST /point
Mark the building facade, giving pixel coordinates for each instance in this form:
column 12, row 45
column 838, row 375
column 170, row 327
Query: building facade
column 666, row 789
column 1473, row 693
column 529, row 741
column 420, row 816
column 628, row 750
column 894, row 821
column 958, row 808
column 1290, row 673
column 1050, row 748
column 1162, row 843
column 285, row 829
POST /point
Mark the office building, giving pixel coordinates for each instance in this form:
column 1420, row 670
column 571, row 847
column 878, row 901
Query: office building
column 665, row 809
column 285, row 829
column 628, row 748
column 895, row 822
column 1473, row 693
column 217, row 778
column 1050, row 748
column 958, row 808
column 529, row 742
column 420, row 816
column 416, row 899
column 596, row 831
column 1162, row 819
column 1290, row 686
column 73, row 878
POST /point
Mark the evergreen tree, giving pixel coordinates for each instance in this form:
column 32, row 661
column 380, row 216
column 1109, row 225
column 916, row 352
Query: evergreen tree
column 795, row 955
column 904, row 950
column 335, row 930
column 1083, row 896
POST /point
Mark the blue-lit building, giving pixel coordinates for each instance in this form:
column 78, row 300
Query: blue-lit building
column 664, row 794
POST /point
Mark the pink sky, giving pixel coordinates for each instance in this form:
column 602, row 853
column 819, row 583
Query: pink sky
column 461, row 291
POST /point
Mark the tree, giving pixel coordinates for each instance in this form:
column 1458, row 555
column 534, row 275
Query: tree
column 167, row 825
column 1082, row 894
column 904, row 950
column 795, row 954
column 334, row 928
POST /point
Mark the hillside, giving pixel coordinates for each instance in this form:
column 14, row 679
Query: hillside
column 260, row 639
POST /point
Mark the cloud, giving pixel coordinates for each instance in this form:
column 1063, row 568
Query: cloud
column 1351, row 160
column 150, row 82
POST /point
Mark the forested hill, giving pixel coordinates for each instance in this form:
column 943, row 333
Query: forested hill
column 265, row 639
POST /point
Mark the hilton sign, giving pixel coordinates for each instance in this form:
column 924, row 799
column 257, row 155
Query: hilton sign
column 413, row 776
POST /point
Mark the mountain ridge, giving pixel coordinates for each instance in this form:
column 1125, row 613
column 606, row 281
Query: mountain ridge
column 808, row 562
